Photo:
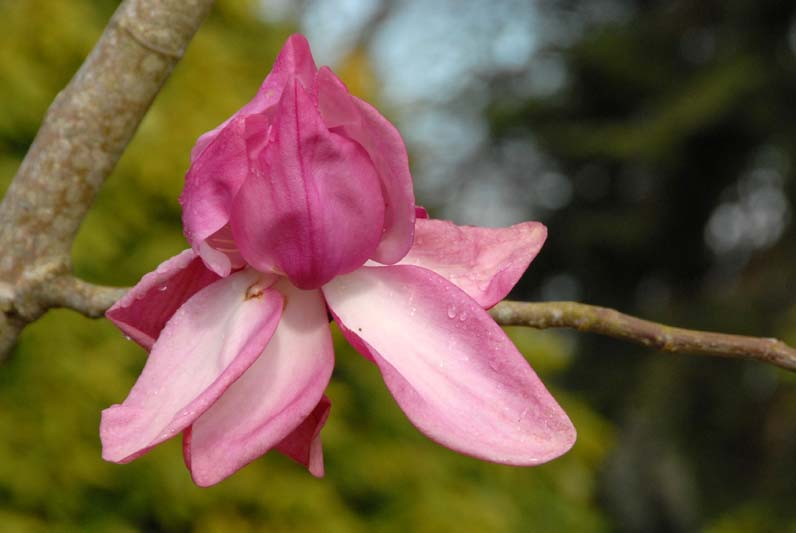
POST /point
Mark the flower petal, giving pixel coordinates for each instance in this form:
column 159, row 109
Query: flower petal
column 272, row 398
column 145, row 309
column 361, row 122
column 449, row 366
column 211, row 183
column 294, row 60
column 208, row 343
column 314, row 207
column 220, row 158
column 221, row 253
column 485, row 263
column 303, row 445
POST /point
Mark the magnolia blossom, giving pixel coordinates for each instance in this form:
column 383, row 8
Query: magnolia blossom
column 300, row 203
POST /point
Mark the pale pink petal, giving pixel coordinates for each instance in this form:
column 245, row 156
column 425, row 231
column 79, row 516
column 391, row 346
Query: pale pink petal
column 364, row 124
column 220, row 252
column 145, row 309
column 449, row 366
column 303, row 445
column 272, row 398
column 314, row 207
column 294, row 60
column 208, row 343
column 485, row 263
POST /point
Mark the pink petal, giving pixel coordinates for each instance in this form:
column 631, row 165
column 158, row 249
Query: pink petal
column 220, row 252
column 208, row 343
column 485, row 263
column 303, row 445
column 220, row 158
column 314, row 208
column 145, row 309
column 294, row 60
column 449, row 366
column 272, row 398
column 211, row 184
column 361, row 122
column 420, row 212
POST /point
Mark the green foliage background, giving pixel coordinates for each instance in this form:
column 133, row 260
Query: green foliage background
column 653, row 140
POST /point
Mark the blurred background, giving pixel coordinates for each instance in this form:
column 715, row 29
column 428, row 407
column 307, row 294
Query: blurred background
column 656, row 140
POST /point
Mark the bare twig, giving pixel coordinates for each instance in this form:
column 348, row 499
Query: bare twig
column 78, row 295
column 83, row 135
column 603, row 321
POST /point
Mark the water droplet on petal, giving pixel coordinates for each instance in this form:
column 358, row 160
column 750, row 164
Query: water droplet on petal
column 162, row 288
column 463, row 316
column 127, row 338
column 451, row 311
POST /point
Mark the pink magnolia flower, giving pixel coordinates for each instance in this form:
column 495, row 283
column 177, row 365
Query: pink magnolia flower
column 299, row 203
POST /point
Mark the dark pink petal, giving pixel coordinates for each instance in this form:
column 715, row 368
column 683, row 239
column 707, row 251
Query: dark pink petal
column 145, row 309
column 294, row 60
column 314, row 207
column 335, row 103
column 449, row 366
column 220, row 159
column 361, row 122
column 211, row 184
column 272, row 398
column 208, row 343
column 485, row 263
column 303, row 445
column 420, row 212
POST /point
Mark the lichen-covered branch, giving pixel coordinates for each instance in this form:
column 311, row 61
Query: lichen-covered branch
column 82, row 137
column 604, row 321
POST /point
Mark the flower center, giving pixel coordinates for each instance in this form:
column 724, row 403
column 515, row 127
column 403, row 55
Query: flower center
column 264, row 282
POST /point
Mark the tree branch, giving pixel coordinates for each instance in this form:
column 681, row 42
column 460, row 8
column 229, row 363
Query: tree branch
column 604, row 321
column 82, row 137
column 85, row 298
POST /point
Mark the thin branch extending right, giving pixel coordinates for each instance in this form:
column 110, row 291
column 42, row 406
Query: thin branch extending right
column 604, row 321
